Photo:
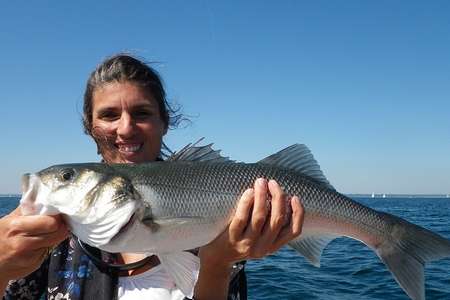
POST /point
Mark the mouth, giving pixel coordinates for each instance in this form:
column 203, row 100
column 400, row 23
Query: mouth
column 129, row 148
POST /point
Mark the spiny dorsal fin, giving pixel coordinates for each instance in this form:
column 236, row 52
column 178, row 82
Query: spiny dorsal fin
column 299, row 158
column 192, row 152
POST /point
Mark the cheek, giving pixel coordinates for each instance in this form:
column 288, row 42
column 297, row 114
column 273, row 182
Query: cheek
column 153, row 130
column 102, row 129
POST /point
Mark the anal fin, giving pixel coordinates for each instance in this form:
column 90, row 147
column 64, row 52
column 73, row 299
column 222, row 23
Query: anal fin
column 311, row 246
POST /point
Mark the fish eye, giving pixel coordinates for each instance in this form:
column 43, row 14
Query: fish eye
column 67, row 174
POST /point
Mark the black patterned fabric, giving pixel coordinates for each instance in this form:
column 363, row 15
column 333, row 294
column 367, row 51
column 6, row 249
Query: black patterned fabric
column 69, row 274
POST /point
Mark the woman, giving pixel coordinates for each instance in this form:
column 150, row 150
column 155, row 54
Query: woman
column 126, row 113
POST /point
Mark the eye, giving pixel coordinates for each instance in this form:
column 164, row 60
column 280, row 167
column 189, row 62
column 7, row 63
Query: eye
column 108, row 116
column 67, row 174
column 142, row 114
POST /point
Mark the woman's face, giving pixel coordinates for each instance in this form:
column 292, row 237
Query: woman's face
column 126, row 123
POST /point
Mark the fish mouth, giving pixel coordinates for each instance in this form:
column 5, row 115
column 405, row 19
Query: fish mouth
column 30, row 187
column 25, row 182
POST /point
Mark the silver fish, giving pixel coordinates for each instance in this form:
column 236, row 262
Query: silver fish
column 167, row 207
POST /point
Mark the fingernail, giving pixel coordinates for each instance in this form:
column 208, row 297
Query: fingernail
column 272, row 182
column 261, row 182
column 248, row 192
column 297, row 199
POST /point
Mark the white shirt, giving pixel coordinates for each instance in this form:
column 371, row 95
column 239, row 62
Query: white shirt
column 152, row 284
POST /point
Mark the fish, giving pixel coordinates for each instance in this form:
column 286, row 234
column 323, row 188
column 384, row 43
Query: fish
column 168, row 207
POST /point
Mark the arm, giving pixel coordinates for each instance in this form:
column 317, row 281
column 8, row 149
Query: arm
column 213, row 279
column 24, row 241
column 255, row 231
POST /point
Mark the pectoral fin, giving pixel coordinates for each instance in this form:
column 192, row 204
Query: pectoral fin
column 183, row 267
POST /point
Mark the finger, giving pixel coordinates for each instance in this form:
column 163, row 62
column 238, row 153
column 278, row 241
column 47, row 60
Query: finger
column 29, row 260
column 27, row 243
column 37, row 225
column 278, row 211
column 35, row 257
column 275, row 223
column 298, row 216
column 260, row 208
column 240, row 219
column 295, row 226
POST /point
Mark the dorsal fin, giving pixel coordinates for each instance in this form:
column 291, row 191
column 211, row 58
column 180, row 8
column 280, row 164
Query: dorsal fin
column 192, row 152
column 298, row 158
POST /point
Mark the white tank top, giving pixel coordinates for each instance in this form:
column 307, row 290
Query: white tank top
column 152, row 284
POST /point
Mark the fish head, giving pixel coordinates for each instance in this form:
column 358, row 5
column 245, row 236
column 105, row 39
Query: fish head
column 94, row 199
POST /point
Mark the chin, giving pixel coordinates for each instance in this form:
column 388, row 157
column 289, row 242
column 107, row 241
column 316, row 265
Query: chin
column 137, row 159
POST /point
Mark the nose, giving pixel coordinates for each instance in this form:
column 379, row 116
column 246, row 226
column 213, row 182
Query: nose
column 126, row 125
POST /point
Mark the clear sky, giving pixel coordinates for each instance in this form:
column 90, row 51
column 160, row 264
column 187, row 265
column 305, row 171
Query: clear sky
column 365, row 84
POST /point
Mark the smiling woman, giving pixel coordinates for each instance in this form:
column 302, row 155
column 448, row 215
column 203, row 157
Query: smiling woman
column 127, row 115
column 126, row 111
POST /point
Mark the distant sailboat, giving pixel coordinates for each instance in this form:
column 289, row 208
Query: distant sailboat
column 384, row 196
column 373, row 195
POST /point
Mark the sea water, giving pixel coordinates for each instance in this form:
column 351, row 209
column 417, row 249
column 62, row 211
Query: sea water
column 349, row 269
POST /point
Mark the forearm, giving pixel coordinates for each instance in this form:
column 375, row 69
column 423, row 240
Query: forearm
column 213, row 281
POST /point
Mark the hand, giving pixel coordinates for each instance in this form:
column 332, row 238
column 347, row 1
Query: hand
column 257, row 229
column 24, row 242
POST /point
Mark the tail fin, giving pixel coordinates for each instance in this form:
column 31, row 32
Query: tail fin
column 407, row 251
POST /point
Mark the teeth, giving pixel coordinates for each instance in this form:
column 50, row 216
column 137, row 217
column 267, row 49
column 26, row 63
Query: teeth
column 129, row 148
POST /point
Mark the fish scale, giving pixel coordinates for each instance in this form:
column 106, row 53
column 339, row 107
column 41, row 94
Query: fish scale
column 208, row 190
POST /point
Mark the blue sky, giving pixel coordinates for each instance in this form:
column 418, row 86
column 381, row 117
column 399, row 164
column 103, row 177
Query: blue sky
column 365, row 84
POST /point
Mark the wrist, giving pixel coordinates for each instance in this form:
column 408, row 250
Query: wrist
column 214, row 265
column 213, row 278
column 211, row 258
